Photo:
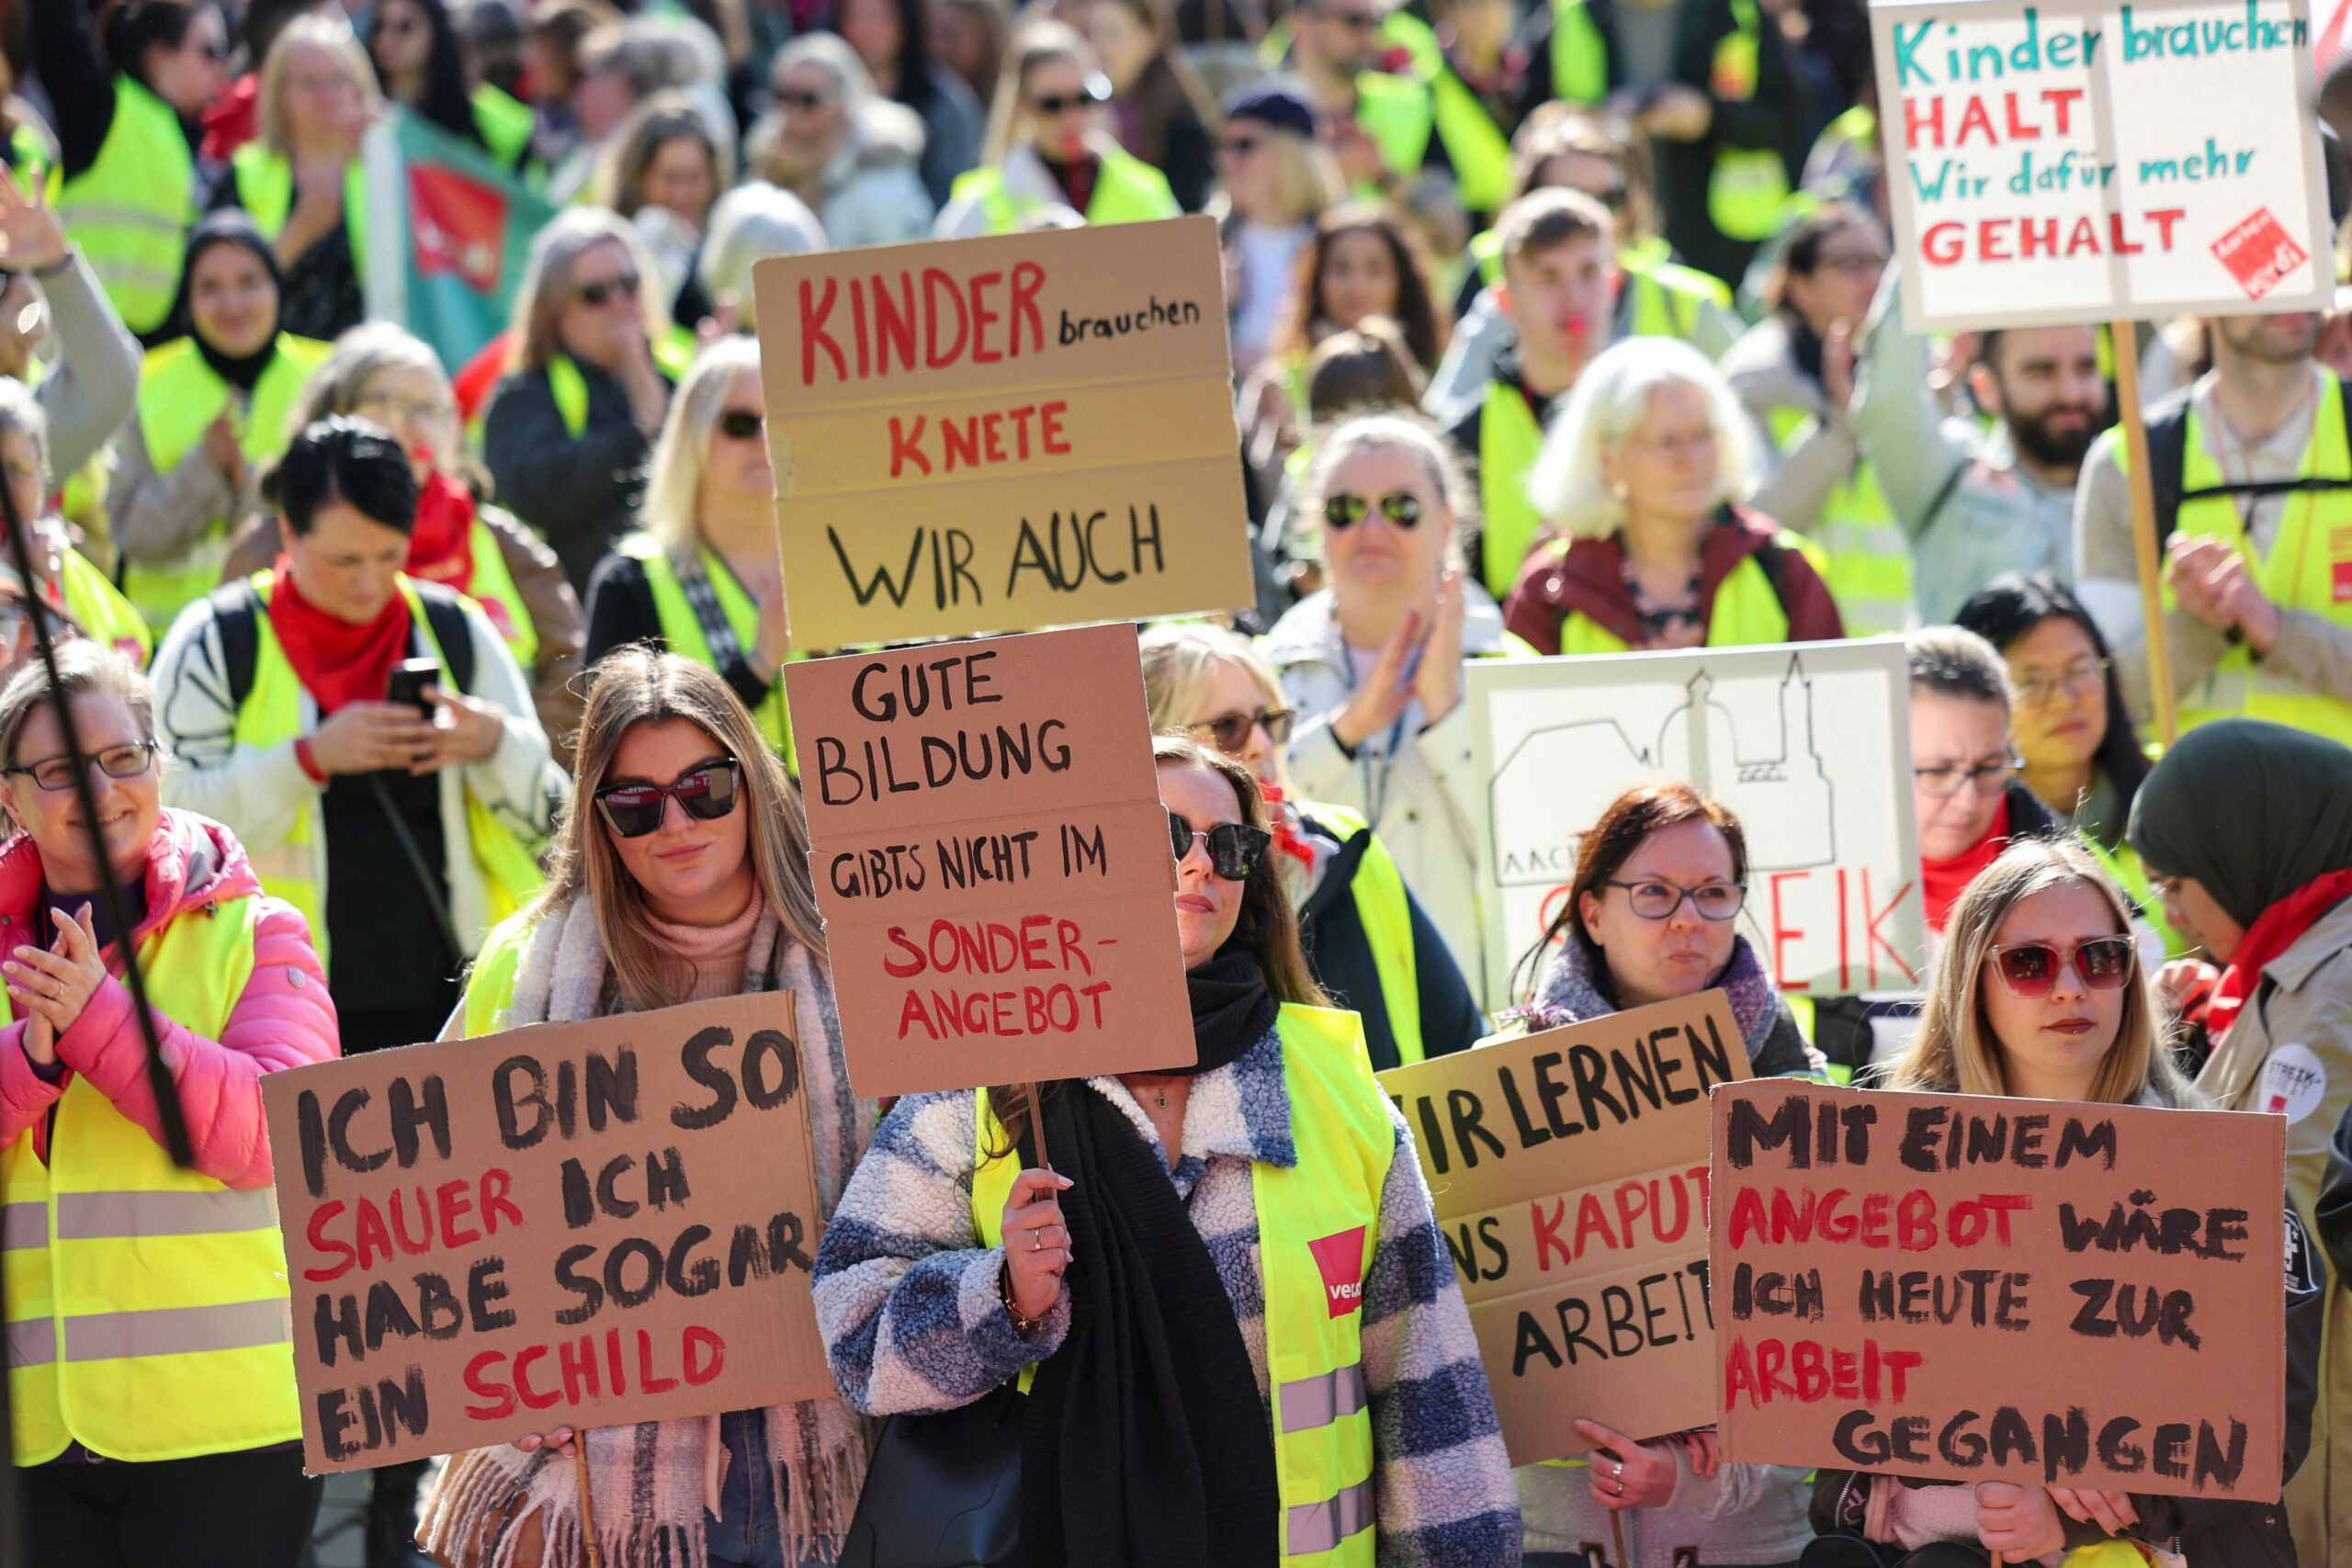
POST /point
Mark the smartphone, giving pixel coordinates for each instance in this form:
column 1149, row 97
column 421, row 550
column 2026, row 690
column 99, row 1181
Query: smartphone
column 410, row 677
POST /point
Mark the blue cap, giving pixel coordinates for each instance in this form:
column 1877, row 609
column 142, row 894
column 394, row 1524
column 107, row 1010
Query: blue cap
column 1274, row 102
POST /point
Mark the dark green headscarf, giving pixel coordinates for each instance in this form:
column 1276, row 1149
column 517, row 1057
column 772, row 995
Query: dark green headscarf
column 2252, row 810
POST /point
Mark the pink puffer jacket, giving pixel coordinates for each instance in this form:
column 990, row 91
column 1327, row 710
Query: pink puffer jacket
column 283, row 1020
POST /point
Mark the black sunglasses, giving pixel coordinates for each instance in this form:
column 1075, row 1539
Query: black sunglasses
column 593, row 295
column 706, row 794
column 1235, row 848
column 1231, row 730
column 1347, row 509
column 807, row 103
column 742, row 425
column 1357, row 21
column 1097, row 90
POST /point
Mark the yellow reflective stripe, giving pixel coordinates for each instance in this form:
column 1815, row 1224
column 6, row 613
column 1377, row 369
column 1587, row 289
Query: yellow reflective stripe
column 23, row 1225
column 1309, row 1402
column 33, row 1342
column 178, row 1331
column 91, row 1216
column 1320, row 1526
column 102, row 212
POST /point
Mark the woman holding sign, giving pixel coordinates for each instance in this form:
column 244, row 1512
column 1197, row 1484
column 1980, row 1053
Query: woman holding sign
column 685, row 880
column 1246, row 1335
column 2039, row 992
column 1659, row 881
column 129, row 1456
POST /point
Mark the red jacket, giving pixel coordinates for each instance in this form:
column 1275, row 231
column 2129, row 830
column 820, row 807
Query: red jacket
column 1588, row 579
column 284, row 1019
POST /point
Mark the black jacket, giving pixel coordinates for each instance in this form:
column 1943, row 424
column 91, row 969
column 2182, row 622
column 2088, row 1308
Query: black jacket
column 1774, row 119
column 621, row 611
column 580, row 494
column 1338, row 955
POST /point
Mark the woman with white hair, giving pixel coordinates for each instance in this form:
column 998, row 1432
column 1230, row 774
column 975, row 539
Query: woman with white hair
column 753, row 221
column 702, row 576
column 1641, row 479
column 1372, row 663
column 300, row 179
column 588, row 382
column 834, row 141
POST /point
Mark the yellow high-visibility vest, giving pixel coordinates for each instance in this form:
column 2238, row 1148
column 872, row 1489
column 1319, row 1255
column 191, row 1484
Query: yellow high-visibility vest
column 1328, row 1204
column 1869, row 554
column 1508, row 440
column 1746, row 185
column 265, row 189
column 682, row 628
column 1383, row 908
column 131, row 208
column 147, row 1305
column 1579, row 55
column 1747, row 611
column 1126, row 190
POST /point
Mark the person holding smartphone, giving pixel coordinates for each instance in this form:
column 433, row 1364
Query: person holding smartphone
column 680, row 875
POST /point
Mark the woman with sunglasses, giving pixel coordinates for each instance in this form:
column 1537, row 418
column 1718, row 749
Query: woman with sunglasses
column 590, row 365
column 420, row 59
column 1651, row 916
column 1274, row 182
column 1367, row 941
column 1372, row 663
column 680, row 875
column 1047, row 148
column 702, row 577
column 2246, row 829
column 2038, row 993
column 1642, row 478
column 1213, row 1190
column 838, row 144
column 190, row 1475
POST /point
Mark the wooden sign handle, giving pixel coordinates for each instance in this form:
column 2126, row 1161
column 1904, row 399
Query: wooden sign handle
column 2145, row 551
column 596, row 1552
column 1617, row 1537
column 1038, row 1125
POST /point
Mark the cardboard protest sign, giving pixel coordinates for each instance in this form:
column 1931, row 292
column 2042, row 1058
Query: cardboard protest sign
column 1569, row 1170
column 1809, row 743
column 2092, row 159
column 992, row 860
column 1003, row 434
column 1974, row 1289
column 579, row 1225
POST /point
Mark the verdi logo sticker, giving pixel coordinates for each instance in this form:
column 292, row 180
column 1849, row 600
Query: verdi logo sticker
column 1341, row 1257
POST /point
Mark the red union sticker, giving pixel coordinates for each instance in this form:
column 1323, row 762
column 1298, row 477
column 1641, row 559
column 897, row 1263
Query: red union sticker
column 2259, row 253
column 1341, row 1259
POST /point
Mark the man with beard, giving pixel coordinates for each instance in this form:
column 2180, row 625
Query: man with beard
column 1978, row 503
column 2253, row 480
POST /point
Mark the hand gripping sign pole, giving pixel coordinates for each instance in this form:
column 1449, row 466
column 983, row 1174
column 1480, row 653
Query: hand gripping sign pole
column 110, row 900
column 2145, row 533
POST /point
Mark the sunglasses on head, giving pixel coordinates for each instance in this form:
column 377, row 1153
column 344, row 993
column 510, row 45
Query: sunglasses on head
column 1230, row 731
column 595, row 295
column 1347, row 509
column 704, row 793
column 742, row 425
column 2031, row 968
column 1235, row 848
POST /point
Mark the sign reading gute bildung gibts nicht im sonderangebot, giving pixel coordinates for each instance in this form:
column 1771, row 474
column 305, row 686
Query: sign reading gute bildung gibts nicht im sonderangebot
column 2084, row 159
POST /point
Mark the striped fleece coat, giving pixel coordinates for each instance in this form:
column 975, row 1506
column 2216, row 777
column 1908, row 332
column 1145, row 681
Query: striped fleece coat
column 908, row 1300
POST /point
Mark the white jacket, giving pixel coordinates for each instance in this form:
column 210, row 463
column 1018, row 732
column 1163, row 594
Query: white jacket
column 262, row 796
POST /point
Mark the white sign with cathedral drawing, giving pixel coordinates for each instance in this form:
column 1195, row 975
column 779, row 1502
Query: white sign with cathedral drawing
column 1807, row 742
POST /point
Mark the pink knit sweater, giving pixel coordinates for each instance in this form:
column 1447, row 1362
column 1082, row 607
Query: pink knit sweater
column 717, row 952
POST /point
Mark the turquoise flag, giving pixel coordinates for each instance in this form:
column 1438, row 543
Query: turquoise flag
column 466, row 227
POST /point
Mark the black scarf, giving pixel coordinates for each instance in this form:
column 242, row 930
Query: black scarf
column 1145, row 1441
column 227, row 227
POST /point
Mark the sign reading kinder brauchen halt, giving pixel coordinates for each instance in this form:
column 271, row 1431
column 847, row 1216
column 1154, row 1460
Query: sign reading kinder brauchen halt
column 1003, row 434
column 992, row 860
column 2085, row 160
column 579, row 1225
column 1809, row 743
column 1971, row 1287
column 1569, row 1170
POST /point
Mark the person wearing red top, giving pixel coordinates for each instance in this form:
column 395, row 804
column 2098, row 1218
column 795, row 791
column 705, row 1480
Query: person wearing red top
column 1965, row 791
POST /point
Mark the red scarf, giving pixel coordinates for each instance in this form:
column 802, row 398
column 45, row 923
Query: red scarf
column 1942, row 881
column 1284, row 822
column 2275, row 931
column 441, row 549
column 336, row 661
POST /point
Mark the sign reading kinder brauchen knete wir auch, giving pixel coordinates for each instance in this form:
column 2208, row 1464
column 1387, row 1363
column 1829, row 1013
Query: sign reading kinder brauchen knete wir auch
column 2082, row 160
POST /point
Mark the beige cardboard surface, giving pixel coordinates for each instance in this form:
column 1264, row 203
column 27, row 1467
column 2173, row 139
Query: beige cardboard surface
column 1002, row 433
column 579, row 1225
column 1569, row 1170
column 992, row 860
column 1982, row 1289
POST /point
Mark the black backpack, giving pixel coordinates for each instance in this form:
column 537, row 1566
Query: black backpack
column 238, row 609
column 2168, row 462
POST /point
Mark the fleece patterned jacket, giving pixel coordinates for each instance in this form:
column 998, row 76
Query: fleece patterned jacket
column 908, row 1300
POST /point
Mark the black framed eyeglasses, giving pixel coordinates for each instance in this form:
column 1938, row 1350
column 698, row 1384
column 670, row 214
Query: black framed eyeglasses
column 704, row 793
column 806, row 102
column 1347, row 509
column 1230, row 731
column 126, row 761
column 1656, row 900
column 1235, row 848
column 1986, row 778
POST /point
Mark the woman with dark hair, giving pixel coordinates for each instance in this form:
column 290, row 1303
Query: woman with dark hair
column 1795, row 374
column 892, row 37
column 127, row 151
column 414, row 46
column 1162, row 1278
column 1159, row 110
column 1364, row 262
column 1649, row 917
column 2080, row 758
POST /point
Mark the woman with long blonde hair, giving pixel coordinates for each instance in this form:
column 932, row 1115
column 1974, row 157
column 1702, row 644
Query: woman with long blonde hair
column 680, row 875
